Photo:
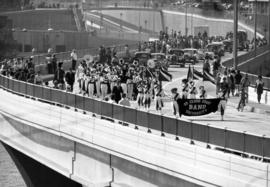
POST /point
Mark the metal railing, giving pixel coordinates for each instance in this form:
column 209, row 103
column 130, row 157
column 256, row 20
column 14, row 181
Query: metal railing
column 240, row 142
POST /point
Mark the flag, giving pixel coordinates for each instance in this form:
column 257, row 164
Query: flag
column 164, row 75
column 147, row 73
column 208, row 77
column 189, row 74
column 197, row 75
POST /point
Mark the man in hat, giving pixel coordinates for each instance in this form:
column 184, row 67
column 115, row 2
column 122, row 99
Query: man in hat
column 104, row 85
column 59, row 76
column 175, row 97
column 203, row 94
column 74, row 59
column 192, row 90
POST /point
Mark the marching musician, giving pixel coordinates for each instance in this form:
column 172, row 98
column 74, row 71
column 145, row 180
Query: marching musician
column 203, row 94
column 147, row 96
column 192, row 90
column 104, row 85
column 185, row 89
column 91, row 85
column 158, row 97
column 80, row 75
column 175, row 97
column 140, row 95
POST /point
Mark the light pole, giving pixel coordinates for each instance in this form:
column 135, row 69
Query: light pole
column 191, row 22
column 186, row 29
column 121, row 14
column 255, row 28
column 235, row 35
column 145, row 23
column 268, row 22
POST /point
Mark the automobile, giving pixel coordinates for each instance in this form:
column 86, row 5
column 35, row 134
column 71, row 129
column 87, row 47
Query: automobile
column 176, row 57
column 160, row 60
column 242, row 40
column 142, row 57
column 191, row 55
column 228, row 45
column 215, row 48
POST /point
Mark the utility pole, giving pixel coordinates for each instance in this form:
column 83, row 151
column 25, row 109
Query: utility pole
column 186, row 29
column 235, row 34
column 255, row 28
column 268, row 22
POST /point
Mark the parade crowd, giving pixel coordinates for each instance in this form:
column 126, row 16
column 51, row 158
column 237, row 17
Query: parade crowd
column 121, row 80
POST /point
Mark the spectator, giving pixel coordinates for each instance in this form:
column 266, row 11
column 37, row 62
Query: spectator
column 175, row 97
column 238, row 78
column 117, row 92
column 38, row 79
column 74, row 59
column 70, row 79
column 59, row 77
column 244, row 84
column 206, row 65
column 259, row 88
column 216, row 66
column 54, row 63
column 124, row 101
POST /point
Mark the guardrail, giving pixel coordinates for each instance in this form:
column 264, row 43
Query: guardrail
column 240, row 142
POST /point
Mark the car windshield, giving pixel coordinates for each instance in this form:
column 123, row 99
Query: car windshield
column 176, row 52
column 143, row 55
column 214, row 47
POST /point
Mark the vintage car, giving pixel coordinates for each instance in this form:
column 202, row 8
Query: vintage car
column 215, row 48
column 228, row 45
column 176, row 57
column 192, row 55
column 160, row 60
column 142, row 57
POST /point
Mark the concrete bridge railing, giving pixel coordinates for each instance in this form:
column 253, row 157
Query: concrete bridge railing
column 240, row 142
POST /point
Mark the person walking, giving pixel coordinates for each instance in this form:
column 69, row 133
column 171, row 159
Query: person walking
column 259, row 88
column 74, row 58
column 238, row 78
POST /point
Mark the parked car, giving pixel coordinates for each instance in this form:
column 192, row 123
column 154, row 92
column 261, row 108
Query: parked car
column 160, row 60
column 142, row 57
column 228, row 45
column 215, row 48
column 191, row 55
column 176, row 57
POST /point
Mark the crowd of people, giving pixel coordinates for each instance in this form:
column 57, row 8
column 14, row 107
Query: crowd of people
column 121, row 80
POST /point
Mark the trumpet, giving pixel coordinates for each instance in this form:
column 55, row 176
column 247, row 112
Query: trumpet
column 135, row 62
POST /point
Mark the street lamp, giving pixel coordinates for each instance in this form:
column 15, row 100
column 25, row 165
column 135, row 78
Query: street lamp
column 145, row 23
column 186, row 29
column 121, row 14
column 235, row 34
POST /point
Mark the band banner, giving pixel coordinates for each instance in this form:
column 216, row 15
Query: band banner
column 197, row 107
